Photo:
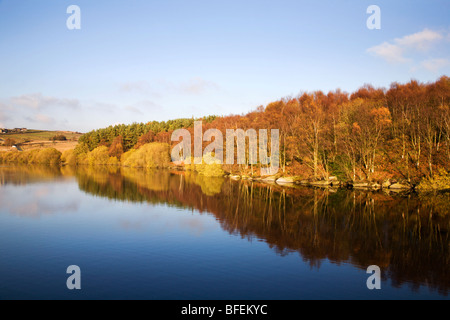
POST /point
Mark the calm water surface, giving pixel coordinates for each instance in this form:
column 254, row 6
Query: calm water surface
column 169, row 235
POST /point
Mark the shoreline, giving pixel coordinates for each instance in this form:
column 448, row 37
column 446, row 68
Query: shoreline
column 389, row 185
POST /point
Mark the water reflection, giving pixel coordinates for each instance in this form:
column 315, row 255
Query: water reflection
column 21, row 175
column 407, row 235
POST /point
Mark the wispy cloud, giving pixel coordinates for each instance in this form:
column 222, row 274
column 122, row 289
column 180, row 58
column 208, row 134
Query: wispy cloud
column 161, row 87
column 434, row 65
column 35, row 110
column 38, row 101
column 3, row 116
column 402, row 50
column 40, row 118
column 147, row 104
column 422, row 40
column 133, row 109
column 197, row 86
column 389, row 52
column 139, row 86
column 102, row 106
column 39, row 111
column 44, row 118
column 141, row 106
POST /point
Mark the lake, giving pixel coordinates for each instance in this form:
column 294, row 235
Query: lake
column 177, row 235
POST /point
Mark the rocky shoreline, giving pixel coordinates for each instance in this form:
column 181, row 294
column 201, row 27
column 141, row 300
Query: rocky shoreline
column 393, row 185
column 332, row 182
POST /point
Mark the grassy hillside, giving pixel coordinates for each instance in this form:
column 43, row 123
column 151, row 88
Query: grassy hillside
column 39, row 139
column 32, row 135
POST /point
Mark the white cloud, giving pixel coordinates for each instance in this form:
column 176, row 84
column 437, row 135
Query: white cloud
column 139, row 86
column 37, row 101
column 134, row 109
column 102, row 106
column 143, row 88
column 389, row 52
column 434, row 65
column 44, row 118
column 158, row 88
column 3, row 116
column 143, row 106
column 147, row 104
column 40, row 118
column 421, row 40
column 395, row 52
column 34, row 110
column 197, row 86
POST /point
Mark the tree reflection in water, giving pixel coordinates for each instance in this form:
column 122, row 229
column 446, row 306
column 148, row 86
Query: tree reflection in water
column 405, row 234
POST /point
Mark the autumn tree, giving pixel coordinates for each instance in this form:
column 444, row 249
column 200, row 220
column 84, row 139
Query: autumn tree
column 144, row 139
column 370, row 121
column 437, row 117
column 116, row 148
column 276, row 119
column 347, row 133
column 309, row 126
column 334, row 100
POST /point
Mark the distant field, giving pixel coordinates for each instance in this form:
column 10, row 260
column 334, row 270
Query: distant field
column 39, row 135
column 38, row 139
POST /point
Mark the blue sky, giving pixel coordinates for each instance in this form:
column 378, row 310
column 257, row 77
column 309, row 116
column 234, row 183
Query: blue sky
column 137, row 61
